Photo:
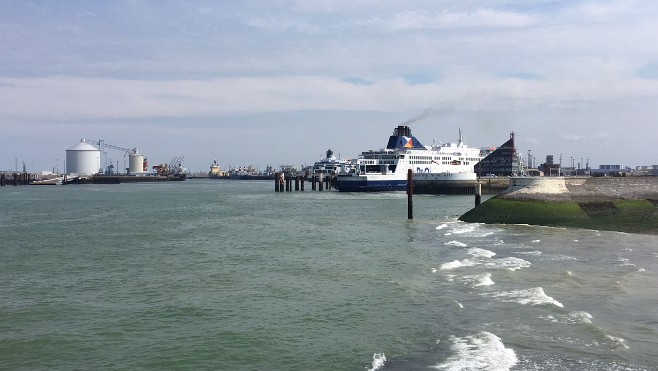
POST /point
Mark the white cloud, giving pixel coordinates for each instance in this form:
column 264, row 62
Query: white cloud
column 445, row 19
column 76, row 98
column 491, row 64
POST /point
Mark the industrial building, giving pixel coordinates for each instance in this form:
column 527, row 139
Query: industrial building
column 501, row 162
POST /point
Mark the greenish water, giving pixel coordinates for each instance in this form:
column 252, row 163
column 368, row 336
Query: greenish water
column 231, row 275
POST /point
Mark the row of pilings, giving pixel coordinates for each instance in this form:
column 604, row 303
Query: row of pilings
column 16, row 179
column 286, row 182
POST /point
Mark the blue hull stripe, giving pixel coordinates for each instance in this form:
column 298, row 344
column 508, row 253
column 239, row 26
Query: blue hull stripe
column 371, row 186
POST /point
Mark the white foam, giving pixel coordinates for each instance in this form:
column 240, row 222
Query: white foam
column 480, row 253
column 549, row 318
column 433, row 270
column 466, row 229
column 378, row 361
column 451, row 265
column 483, row 279
column 460, row 304
column 625, row 262
column 457, row 264
column 617, row 342
column 442, row 226
column 580, row 317
column 482, row 351
column 484, row 257
column 535, row 253
column 510, row 263
column 455, row 243
column 535, row 241
column 533, row 296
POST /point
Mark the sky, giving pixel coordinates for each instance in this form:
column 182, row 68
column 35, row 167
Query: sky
column 280, row 82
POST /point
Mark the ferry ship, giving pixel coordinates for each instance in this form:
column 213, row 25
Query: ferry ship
column 443, row 168
column 330, row 165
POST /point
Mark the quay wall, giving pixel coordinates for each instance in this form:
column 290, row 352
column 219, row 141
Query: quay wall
column 626, row 204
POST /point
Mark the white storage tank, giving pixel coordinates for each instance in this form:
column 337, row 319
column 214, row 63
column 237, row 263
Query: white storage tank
column 136, row 163
column 83, row 159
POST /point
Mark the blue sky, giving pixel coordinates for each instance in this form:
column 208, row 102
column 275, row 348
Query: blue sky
column 279, row 82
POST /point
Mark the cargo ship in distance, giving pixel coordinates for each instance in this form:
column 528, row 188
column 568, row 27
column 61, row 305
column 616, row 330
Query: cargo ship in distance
column 443, row 168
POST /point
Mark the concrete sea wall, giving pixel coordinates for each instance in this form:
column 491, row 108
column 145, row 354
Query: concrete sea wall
column 628, row 204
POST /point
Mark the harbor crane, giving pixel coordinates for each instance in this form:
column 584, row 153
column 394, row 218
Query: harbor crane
column 102, row 145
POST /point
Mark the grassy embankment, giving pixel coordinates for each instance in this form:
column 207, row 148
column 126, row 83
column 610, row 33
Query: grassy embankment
column 633, row 216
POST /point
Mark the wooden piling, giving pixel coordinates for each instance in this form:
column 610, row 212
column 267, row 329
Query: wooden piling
column 320, row 183
column 276, row 182
column 301, row 181
column 478, row 194
column 313, row 182
column 410, row 193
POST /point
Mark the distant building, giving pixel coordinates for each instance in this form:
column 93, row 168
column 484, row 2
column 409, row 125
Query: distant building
column 501, row 162
column 549, row 168
column 610, row 170
column 651, row 170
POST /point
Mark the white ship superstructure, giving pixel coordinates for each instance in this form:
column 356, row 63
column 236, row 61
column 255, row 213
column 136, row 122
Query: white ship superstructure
column 441, row 164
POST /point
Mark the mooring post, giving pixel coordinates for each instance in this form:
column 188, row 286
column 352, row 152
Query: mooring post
column 302, row 181
column 282, row 179
column 297, row 183
column 410, row 193
column 320, row 184
column 478, row 194
column 276, row 182
column 313, row 182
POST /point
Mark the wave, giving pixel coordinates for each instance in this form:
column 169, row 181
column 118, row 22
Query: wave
column 483, row 257
column 480, row 253
column 579, row 317
column 616, row 342
column 509, row 263
column 536, row 253
column 457, row 264
column 455, row 243
column 378, row 361
column 482, row 351
column 533, row 296
column 483, row 279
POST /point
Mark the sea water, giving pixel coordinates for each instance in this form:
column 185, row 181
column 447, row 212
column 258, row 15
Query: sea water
column 230, row 275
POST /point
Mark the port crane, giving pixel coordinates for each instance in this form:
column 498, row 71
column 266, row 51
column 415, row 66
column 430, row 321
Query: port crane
column 102, row 145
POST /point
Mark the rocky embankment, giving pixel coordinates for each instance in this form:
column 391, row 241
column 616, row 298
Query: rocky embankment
column 628, row 204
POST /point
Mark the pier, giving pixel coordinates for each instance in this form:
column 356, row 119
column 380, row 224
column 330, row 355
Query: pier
column 16, row 179
column 283, row 182
column 624, row 204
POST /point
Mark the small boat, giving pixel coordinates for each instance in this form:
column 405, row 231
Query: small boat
column 51, row 181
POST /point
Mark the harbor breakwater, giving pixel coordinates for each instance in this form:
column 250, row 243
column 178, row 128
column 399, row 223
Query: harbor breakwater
column 626, row 204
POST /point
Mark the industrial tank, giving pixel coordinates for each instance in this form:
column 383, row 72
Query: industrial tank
column 136, row 163
column 83, row 159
